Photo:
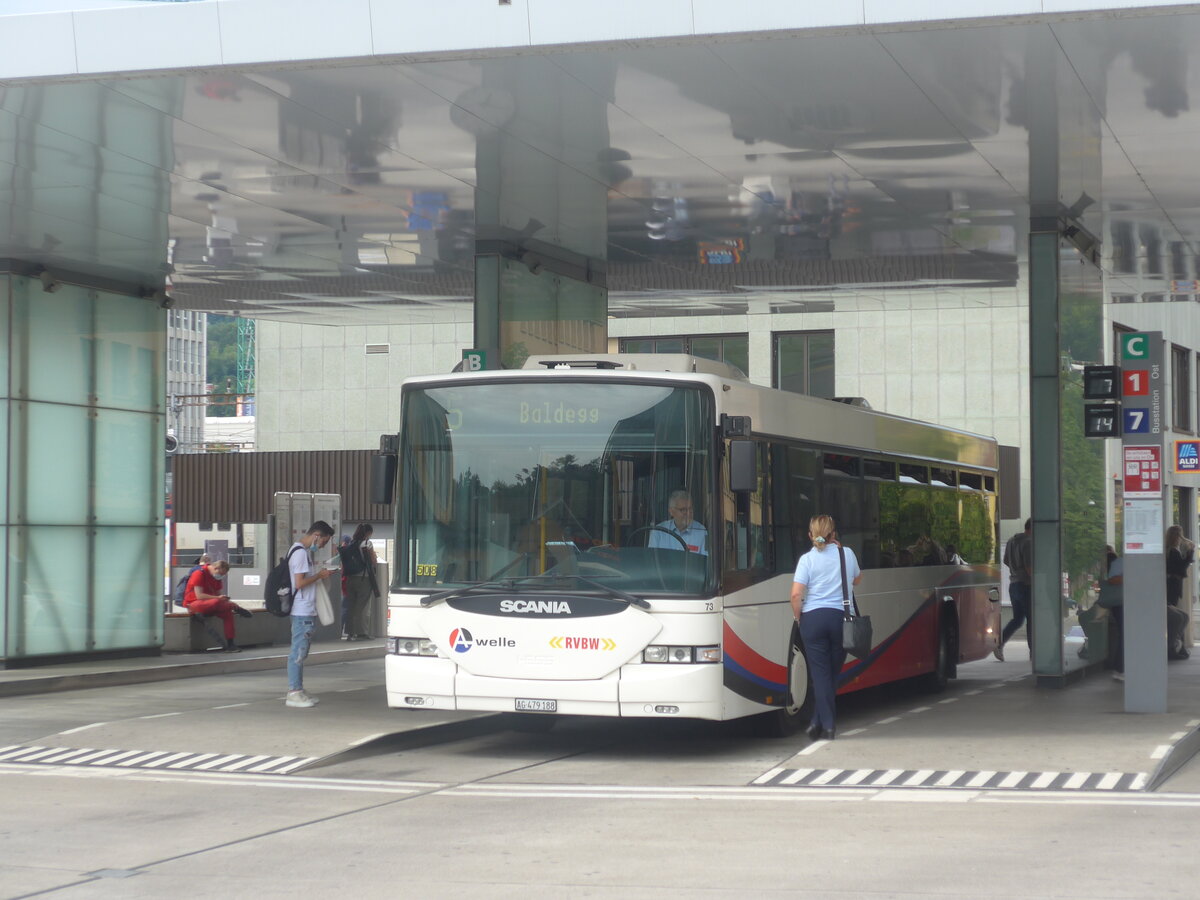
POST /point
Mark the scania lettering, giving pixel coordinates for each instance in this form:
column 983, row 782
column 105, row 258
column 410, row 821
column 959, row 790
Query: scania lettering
column 558, row 538
column 535, row 606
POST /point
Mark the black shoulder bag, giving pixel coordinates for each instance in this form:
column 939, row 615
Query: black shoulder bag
column 856, row 630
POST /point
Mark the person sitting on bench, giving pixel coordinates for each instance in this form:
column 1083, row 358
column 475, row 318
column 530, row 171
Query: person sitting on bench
column 203, row 597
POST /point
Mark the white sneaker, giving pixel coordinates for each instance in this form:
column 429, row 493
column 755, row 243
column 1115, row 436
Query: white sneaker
column 999, row 652
column 300, row 699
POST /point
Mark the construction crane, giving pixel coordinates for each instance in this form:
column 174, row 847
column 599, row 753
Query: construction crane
column 245, row 356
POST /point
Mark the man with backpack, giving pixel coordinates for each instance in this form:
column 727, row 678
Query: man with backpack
column 304, row 607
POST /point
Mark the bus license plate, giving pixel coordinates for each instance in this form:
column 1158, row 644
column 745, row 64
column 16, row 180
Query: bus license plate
column 523, row 705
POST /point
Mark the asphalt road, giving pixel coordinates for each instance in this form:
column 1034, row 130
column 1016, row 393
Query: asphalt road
column 460, row 806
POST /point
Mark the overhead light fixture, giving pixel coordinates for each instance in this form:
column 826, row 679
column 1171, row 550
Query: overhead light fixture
column 50, row 284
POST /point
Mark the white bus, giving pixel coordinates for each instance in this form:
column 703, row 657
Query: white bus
column 533, row 573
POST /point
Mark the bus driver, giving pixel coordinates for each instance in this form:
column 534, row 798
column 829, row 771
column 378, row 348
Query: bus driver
column 692, row 533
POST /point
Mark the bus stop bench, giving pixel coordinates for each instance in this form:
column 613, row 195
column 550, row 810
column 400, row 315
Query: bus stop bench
column 186, row 633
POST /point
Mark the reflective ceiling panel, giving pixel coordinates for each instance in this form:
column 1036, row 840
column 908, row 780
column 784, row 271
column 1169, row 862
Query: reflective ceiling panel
column 785, row 173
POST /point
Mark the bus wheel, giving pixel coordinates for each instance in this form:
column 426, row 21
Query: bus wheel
column 531, row 723
column 796, row 714
column 935, row 682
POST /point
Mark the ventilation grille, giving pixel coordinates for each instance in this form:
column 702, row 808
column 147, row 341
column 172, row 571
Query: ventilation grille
column 379, row 348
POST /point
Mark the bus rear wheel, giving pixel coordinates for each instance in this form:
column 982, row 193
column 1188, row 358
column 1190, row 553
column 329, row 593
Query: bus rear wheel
column 944, row 666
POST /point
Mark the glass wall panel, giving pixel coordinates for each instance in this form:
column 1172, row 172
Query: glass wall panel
column 5, row 284
column 130, row 340
column 47, row 590
column 49, row 448
column 52, row 345
column 127, row 486
column 121, row 583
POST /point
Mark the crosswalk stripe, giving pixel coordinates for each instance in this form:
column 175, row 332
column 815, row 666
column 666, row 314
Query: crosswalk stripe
column 220, row 761
column 18, row 752
column 192, row 760
column 954, row 778
column 112, row 757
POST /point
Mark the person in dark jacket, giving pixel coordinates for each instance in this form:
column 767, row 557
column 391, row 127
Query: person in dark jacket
column 358, row 567
column 1179, row 555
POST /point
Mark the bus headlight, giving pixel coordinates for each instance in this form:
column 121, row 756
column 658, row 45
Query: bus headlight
column 671, row 653
column 412, row 646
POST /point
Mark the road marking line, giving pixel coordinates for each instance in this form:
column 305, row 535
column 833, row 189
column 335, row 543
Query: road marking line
column 18, row 752
column 96, row 754
column 231, row 706
column 919, row 709
column 220, row 761
column 767, row 776
column 83, row 728
column 248, row 761
column 109, row 760
column 887, row 777
column 888, row 721
column 812, row 748
column 1139, row 781
column 161, row 715
column 276, row 761
column 918, row 777
column 191, row 760
column 796, row 775
column 980, row 779
column 949, row 700
column 1160, row 751
column 827, row 776
column 1012, row 779
column 66, row 754
column 1044, row 780
column 974, row 692
column 138, row 760
column 166, row 759
column 31, row 756
column 949, row 778
column 1109, row 781
column 1076, row 781
column 852, row 732
column 858, row 776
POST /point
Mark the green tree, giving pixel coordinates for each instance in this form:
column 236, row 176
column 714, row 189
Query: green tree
column 221, row 370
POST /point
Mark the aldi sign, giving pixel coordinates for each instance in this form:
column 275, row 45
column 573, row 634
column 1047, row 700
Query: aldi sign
column 1187, row 456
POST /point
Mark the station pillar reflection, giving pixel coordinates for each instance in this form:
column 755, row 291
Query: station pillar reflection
column 544, row 169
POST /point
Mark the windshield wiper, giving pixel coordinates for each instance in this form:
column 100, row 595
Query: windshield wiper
column 512, row 584
column 613, row 592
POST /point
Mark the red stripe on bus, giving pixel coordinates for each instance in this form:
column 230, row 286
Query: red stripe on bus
column 741, row 653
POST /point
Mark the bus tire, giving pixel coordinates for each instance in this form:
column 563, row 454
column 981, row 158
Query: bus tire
column 944, row 666
column 795, row 715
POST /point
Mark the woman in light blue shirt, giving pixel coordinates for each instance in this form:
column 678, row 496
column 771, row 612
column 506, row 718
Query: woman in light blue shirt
column 817, row 605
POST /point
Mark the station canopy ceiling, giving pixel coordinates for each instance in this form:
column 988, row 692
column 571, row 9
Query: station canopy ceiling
column 776, row 172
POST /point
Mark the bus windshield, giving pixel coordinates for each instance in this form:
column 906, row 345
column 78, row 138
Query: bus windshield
column 556, row 483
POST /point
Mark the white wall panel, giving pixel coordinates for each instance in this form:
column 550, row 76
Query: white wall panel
column 132, row 38
column 37, row 45
column 447, row 25
column 258, row 30
column 558, row 22
column 720, row 16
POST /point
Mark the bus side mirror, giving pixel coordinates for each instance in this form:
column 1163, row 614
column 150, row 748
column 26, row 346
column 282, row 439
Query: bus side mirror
column 383, row 470
column 743, row 466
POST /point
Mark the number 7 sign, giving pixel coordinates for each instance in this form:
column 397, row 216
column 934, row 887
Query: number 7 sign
column 1135, row 421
